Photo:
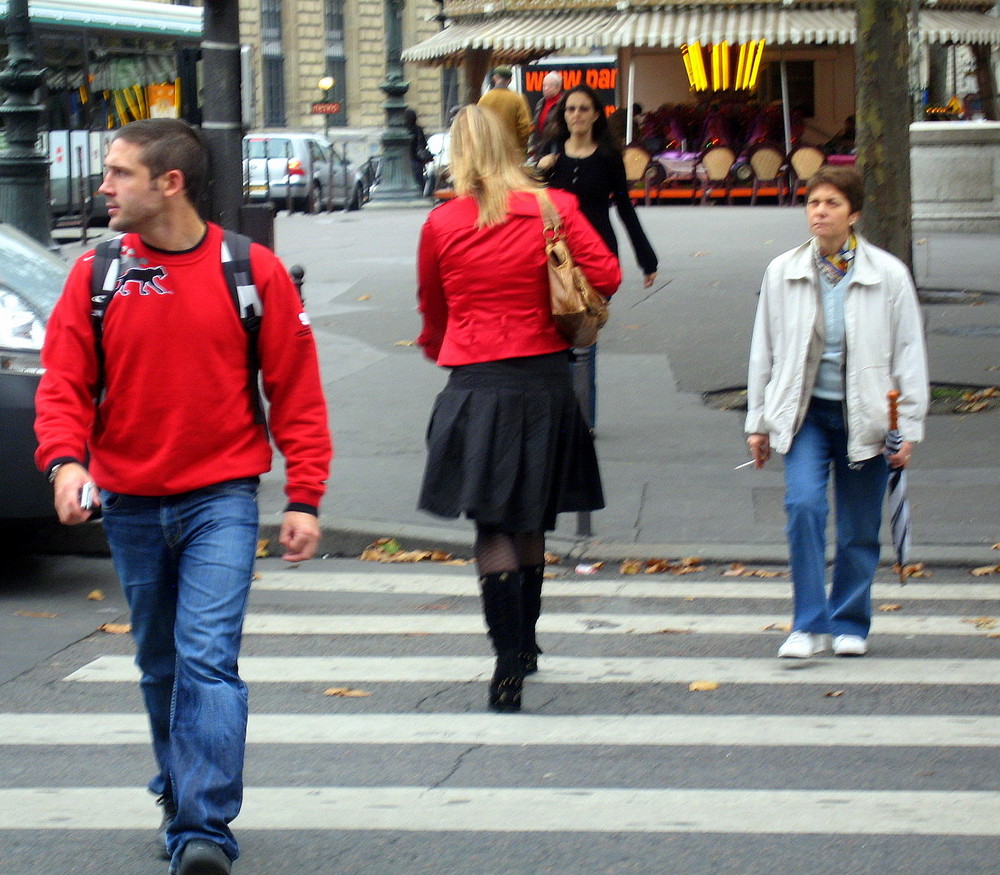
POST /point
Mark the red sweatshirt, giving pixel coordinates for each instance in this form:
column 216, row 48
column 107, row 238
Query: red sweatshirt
column 177, row 414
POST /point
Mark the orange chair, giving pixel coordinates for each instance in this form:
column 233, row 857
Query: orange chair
column 637, row 160
column 768, row 165
column 804, row 162
column 717, row 163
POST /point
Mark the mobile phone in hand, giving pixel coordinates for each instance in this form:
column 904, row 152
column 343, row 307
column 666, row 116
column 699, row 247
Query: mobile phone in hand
column 87, row 497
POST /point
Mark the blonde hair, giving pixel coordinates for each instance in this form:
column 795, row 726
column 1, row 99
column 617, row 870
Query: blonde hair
column 485, row 163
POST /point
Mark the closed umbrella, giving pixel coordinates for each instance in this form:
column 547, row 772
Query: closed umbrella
column 899, row 505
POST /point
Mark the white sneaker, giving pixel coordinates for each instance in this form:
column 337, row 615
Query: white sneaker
column 849, row 645
column 802, row 645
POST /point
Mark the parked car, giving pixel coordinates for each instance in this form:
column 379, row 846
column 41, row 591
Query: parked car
column 31, row 280
column 302, row 170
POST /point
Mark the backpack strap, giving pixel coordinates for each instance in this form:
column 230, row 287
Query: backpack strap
column 103, row 285
column 235, row 254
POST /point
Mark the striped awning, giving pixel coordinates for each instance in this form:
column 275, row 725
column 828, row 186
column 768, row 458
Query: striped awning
column 120, row 16
column 519, row 38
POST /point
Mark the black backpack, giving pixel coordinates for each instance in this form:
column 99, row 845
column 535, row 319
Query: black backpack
column 110, row 266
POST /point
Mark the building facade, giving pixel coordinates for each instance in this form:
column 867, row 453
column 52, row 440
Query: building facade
column 294, row 44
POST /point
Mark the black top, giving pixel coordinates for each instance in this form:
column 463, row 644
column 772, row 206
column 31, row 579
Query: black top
column 596, row 180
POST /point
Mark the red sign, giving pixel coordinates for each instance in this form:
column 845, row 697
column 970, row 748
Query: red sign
column 325, row 108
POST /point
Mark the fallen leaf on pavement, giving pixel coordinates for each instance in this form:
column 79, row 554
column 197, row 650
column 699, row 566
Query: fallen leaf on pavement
column 777, row 627
column 365, row 298
column 390, row 550
column 405, row 343
column 552, row 558
column 760, row 572
column 982, row 622
column 673, row 632
column 833, row 694
column 630, row 566
column 888, row 608
column 984, row 570
column 734, row 570
column 346, row 693
column 95, row 595
column 262, row 548
column 703, row 686
column 996, row 546
column 907, row 571
column 40, row 615
column 116, row 628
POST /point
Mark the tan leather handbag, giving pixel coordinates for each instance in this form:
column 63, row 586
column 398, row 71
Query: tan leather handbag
column 578, row 309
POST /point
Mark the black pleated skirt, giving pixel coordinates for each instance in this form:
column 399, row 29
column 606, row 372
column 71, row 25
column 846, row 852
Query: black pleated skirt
column 508, row 446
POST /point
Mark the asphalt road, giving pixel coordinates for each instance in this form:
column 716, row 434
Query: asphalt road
column 874, row 765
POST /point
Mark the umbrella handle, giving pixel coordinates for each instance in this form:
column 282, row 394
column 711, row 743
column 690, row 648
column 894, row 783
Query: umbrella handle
column 893, row 397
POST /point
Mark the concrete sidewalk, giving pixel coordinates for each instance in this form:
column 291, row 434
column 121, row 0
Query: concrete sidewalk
column 667, row 459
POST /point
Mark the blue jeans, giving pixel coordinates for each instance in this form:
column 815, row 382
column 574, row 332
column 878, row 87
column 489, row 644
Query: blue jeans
column 858, row 493
column 185, row 563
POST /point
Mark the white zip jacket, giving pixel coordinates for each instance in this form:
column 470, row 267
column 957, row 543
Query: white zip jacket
column 884, row 345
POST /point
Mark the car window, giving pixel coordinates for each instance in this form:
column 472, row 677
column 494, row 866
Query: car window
column 269, row 147
column 30, row 271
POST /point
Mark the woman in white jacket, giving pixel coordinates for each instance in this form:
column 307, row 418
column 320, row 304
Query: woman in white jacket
column 838, row 325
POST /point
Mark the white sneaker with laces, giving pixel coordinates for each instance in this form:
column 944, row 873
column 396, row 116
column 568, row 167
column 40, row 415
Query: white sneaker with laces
column 849, row 645
column 802, row 645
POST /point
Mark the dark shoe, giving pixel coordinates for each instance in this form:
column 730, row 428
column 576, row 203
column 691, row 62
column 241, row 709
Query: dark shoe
column 169, row 813
column 531, row 608
column 529, row 661
column 200, row 857
column 505, row 688
column 502, row 610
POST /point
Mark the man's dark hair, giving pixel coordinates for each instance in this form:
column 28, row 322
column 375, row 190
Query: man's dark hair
column 171, row 144
column 843, row 177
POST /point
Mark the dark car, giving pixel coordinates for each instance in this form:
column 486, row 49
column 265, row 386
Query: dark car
column 31, row 279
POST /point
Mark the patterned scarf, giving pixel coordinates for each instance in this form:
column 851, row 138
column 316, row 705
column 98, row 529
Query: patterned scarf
column 835, row 267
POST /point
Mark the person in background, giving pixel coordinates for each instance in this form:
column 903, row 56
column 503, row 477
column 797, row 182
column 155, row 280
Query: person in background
column 507, row 443
column 583, row 158
column 175, row 446
column 551, row 92
column 511, row 107
column 838, row 326
column 420, row 155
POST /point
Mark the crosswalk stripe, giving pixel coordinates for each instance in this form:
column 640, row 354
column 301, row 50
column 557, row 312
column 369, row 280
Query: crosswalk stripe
column 463, row 809
column 586, row 670
column 602, row 624
column 688, row 586
column 741, row 730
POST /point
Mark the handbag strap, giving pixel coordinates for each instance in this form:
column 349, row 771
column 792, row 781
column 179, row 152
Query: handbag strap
column 551, row 220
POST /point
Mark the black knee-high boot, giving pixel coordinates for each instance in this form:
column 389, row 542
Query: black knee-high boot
column 502, row 610
column 531, row 608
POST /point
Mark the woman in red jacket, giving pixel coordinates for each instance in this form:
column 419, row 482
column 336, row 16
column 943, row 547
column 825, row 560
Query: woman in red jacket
column 507, row 443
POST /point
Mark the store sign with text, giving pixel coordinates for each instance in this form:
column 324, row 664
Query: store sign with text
column 601, row 74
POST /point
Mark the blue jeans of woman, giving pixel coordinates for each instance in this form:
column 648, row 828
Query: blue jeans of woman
column 185, row 563
column 819, row 446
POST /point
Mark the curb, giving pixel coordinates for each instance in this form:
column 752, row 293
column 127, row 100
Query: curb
column 348, row 538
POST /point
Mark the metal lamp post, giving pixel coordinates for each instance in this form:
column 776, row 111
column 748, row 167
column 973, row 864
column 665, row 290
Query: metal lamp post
column 396, row 179
column 24, row 171
column 326, row 86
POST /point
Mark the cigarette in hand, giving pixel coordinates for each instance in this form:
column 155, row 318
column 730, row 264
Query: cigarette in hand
column 744, row 465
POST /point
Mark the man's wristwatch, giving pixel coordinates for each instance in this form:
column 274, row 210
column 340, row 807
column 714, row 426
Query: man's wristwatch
column 58, row 463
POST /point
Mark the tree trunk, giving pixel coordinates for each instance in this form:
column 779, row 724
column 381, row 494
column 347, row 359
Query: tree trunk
column 883, row 123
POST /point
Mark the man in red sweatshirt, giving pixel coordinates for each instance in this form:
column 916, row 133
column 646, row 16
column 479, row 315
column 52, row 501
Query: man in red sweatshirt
column 157, row 418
